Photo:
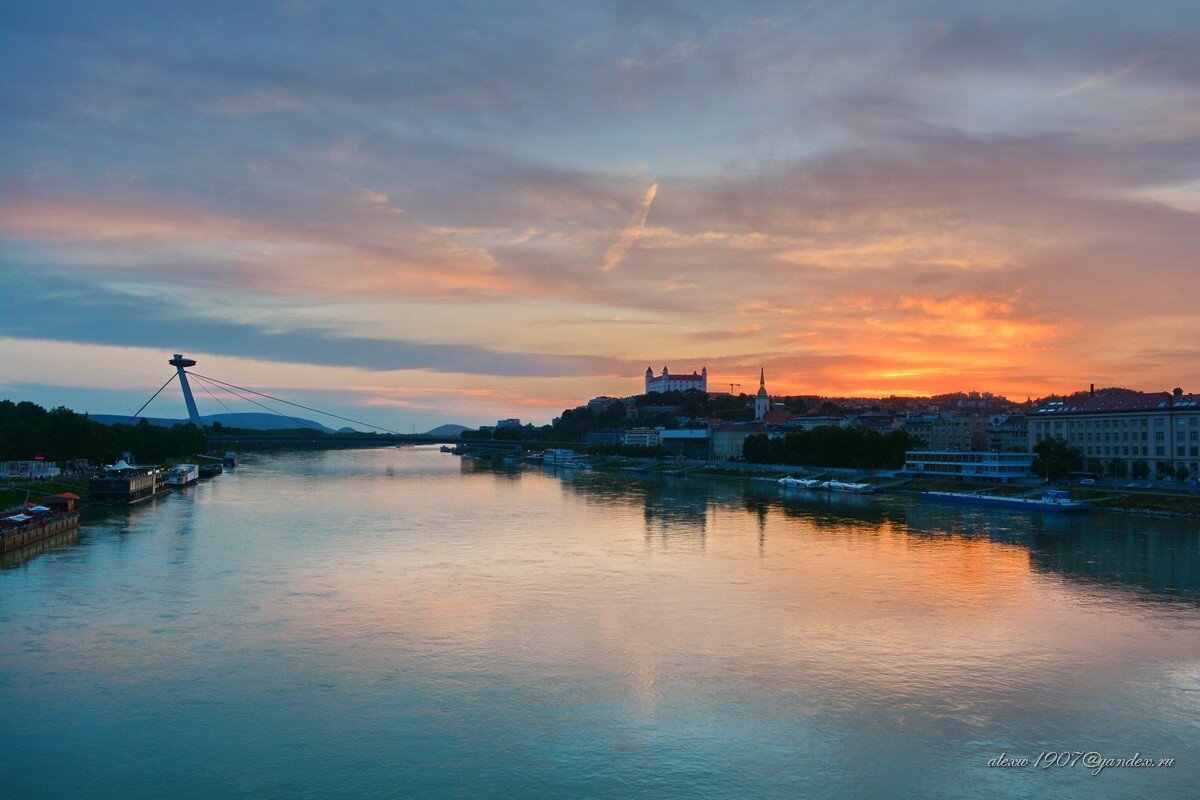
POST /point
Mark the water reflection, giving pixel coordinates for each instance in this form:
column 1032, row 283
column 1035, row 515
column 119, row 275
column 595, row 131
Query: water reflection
column 1159, row 556
column 406, row 622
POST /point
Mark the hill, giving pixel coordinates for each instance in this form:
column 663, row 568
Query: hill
column 248, row 421
column 447, row 430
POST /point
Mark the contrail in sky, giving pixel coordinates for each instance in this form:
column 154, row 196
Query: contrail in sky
column 631, row 233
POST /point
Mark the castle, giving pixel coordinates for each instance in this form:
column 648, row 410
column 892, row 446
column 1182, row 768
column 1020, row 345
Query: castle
column 676, row 383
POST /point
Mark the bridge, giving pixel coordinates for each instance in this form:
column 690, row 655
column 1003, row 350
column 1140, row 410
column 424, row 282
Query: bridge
column 296, row 435
column 366, row 440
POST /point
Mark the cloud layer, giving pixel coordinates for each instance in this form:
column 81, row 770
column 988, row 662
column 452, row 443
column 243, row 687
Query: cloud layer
column 530, row 203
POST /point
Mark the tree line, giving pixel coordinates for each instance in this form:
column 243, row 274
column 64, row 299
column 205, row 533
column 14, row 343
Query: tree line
column 833, row 446
column 28, row 430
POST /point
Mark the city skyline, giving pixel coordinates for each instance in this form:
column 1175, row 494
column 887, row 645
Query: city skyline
column 461, row 214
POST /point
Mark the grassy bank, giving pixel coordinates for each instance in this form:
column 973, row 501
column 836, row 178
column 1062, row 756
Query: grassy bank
column 15, row 493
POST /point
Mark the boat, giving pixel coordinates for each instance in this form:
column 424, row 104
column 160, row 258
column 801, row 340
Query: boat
column 211, row 469
column 182, row 475
column 445, row 448
column 35, row 522
column 799, row 483
column 1049, row 500
column 125, row 484
column 230, row 459
column 844, row 486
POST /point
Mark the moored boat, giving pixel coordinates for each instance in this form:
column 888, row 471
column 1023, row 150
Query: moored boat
column 799, row 483
column 844, row 486
column 211, row 469
column 1050, row 500
column 125, row 484
column 182, row 475
column 230, row 459
column 50, row 516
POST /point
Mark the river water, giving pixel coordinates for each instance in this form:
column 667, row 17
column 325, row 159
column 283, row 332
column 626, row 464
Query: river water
column 405, row 623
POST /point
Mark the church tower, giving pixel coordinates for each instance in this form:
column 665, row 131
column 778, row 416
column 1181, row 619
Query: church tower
column 762, row 402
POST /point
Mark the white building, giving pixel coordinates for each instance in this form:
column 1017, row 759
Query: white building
column 989, row 466
column 29, row 470
column 640, row 437
column 762, row 401
column 676, row 383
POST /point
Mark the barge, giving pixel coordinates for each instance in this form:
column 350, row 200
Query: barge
column 125, row 484
column 1050, row 500
column 49, row 517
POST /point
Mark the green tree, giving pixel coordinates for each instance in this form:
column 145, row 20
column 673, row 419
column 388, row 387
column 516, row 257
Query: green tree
column 1117, row 468
column 1055, row 458
column 1140, row 469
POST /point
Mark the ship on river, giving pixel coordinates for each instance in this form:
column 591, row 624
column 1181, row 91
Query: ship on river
column 37, row 521
column 182, row 475
column 1050, row 500
column 125, row 484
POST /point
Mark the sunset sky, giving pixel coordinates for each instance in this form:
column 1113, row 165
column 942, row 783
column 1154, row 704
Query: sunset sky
column 427, row 212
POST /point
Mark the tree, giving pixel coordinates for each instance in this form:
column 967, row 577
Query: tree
column 1140, row 469
column 1117, row 467
column 1182, row 472
column 1055, row 458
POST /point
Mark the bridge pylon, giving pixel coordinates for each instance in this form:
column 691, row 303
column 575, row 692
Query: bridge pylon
column 179, row 363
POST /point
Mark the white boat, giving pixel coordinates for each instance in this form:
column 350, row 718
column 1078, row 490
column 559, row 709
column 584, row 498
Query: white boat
column 183, row 475
column 799, row 483
column 843, row 486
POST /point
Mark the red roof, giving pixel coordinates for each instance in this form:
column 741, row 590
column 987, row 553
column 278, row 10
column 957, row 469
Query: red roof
column 777, row 416
column 1119, row 401
column 67, row 495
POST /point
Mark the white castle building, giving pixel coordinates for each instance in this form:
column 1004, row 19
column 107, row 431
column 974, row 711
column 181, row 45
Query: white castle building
column 676, row 383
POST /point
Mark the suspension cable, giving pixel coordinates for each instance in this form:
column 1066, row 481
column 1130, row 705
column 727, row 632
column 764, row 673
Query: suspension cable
column 290, row 403
column 303, row 423
column 148, row 402
column 204, row 386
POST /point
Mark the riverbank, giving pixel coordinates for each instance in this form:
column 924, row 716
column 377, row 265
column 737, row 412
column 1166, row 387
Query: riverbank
column 1114, row 500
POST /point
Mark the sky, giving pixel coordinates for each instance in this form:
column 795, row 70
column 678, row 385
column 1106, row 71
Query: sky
column 418, row 213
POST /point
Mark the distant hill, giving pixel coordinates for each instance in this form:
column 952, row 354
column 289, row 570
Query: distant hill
column 447, row 430
column 250, row 421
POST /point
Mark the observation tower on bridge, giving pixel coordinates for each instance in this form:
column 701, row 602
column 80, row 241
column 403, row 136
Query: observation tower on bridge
column 180, row 363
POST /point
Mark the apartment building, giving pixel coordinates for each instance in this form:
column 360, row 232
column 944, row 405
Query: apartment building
column 1160, row 428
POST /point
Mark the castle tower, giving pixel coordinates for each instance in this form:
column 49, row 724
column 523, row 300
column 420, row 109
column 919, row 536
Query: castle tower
column 704, row 379
column 762, row 401
column 649, row 377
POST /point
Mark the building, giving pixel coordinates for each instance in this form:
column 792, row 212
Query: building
column 686, row 442
column 762, row 401
column 602, row 436
column 729, row 441
column 676, row 383
column 1159, row 428
column 878, row 421
column 38, row 469
column 967, row 466
column 602, row 403
column 947, row 431
column 640, row 437
column 1008, row 432
column 810, row 421
column 508, row 423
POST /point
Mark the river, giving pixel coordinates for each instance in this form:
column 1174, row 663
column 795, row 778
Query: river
column 406, row 623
